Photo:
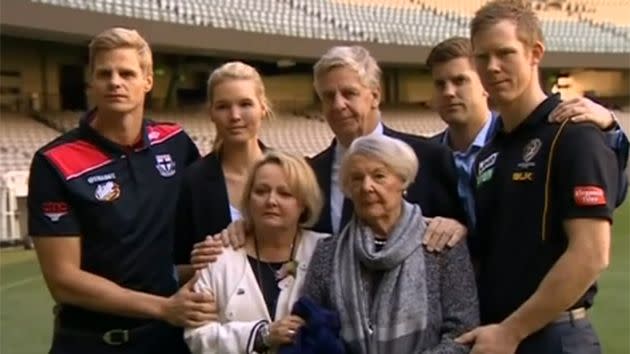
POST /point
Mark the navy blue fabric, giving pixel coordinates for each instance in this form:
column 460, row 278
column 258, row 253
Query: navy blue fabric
column 319, row 335
column 162, row 338
column 577, row 337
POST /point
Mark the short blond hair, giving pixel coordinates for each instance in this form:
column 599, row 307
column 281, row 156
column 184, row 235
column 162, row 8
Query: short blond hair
column 119, row 37
column 397, row 155
column 519, row 12
column 300, row 179
column 236, row 70
column 356, row 58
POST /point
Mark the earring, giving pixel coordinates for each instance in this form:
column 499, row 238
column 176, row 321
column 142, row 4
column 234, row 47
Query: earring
column 404, row 193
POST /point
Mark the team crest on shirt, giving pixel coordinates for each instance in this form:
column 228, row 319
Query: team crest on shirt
column 107, row 192
column 165, row 165
column 529, row 152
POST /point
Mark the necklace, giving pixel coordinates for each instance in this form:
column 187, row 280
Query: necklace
column 286, row 269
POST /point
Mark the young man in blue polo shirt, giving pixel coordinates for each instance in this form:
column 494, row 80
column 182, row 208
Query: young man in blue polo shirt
column 101, row 198
column 545, row 195
column 462, row 103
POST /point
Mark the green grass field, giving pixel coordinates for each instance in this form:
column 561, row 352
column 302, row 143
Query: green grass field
column 26, row 307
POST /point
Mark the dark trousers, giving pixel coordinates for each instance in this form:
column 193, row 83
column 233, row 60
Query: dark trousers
column 161, row 338
column 570, row 337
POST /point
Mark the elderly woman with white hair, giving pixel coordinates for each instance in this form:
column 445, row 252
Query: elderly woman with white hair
column 392, row 295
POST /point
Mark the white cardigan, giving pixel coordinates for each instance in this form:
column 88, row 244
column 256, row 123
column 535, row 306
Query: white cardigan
column 240, row 303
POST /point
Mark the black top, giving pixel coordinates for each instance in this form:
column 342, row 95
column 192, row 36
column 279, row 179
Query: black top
column 267, row 282
column 119, row 201
column 434, row 189
column 519, row 243
column 203, row 206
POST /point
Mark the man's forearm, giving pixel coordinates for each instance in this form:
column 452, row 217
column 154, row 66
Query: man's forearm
column 565, row 283
column 95, row 293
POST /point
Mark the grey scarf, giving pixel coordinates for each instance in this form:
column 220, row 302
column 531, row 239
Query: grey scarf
column 392, row 320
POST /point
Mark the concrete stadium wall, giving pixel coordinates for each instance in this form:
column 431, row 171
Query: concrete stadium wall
column 603, row 83
column 414, row 86
column 290, row 92
column 409, row 83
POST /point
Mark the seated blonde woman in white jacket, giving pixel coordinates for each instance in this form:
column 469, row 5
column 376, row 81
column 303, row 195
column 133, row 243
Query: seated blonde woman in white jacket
column 264, row 277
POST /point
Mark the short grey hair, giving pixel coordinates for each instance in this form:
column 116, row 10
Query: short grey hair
column 394, row 153
column 356, row 58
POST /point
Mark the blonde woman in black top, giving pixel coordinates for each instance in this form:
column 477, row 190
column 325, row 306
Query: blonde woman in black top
column 210, row 195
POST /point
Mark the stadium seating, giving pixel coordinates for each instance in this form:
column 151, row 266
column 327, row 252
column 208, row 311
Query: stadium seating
column 20, row 137
column 285, row 131
column 589, row 25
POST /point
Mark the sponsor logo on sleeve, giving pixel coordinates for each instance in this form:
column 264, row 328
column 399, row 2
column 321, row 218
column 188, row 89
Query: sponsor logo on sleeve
column 55, row 210
column 589, row 196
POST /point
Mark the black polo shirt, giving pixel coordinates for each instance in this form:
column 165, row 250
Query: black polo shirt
column 119, row 200
column 520, row 229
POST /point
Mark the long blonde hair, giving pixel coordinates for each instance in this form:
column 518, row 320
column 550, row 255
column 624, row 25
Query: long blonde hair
column 236, row 70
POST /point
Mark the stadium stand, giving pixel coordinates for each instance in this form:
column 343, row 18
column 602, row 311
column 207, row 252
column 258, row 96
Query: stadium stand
column 593, row 25
column 285, row 131
column 575, row 26
column 24, row 135
column 21, row 136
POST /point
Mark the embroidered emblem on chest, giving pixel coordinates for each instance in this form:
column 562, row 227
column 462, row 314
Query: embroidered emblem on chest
column 165, row 165
column 529, row 152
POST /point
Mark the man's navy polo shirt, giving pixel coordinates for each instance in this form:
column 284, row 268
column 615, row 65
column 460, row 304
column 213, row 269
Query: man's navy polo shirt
column 120, row 201
column 520, row 218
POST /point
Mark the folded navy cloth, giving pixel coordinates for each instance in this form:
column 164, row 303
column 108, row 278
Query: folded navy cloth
column 320, row 334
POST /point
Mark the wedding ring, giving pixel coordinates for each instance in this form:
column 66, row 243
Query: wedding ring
column 291, row 332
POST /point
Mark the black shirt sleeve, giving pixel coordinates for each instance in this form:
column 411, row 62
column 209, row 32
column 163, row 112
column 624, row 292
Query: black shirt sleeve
column 49, row 209
column 587, row 174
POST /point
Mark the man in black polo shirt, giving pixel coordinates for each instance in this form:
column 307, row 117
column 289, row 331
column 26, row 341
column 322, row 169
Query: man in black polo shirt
column 101, row 198
column 545, row 194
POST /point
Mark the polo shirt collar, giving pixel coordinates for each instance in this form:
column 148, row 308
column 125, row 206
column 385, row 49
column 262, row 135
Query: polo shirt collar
column 91, row 134
column 539, row 115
